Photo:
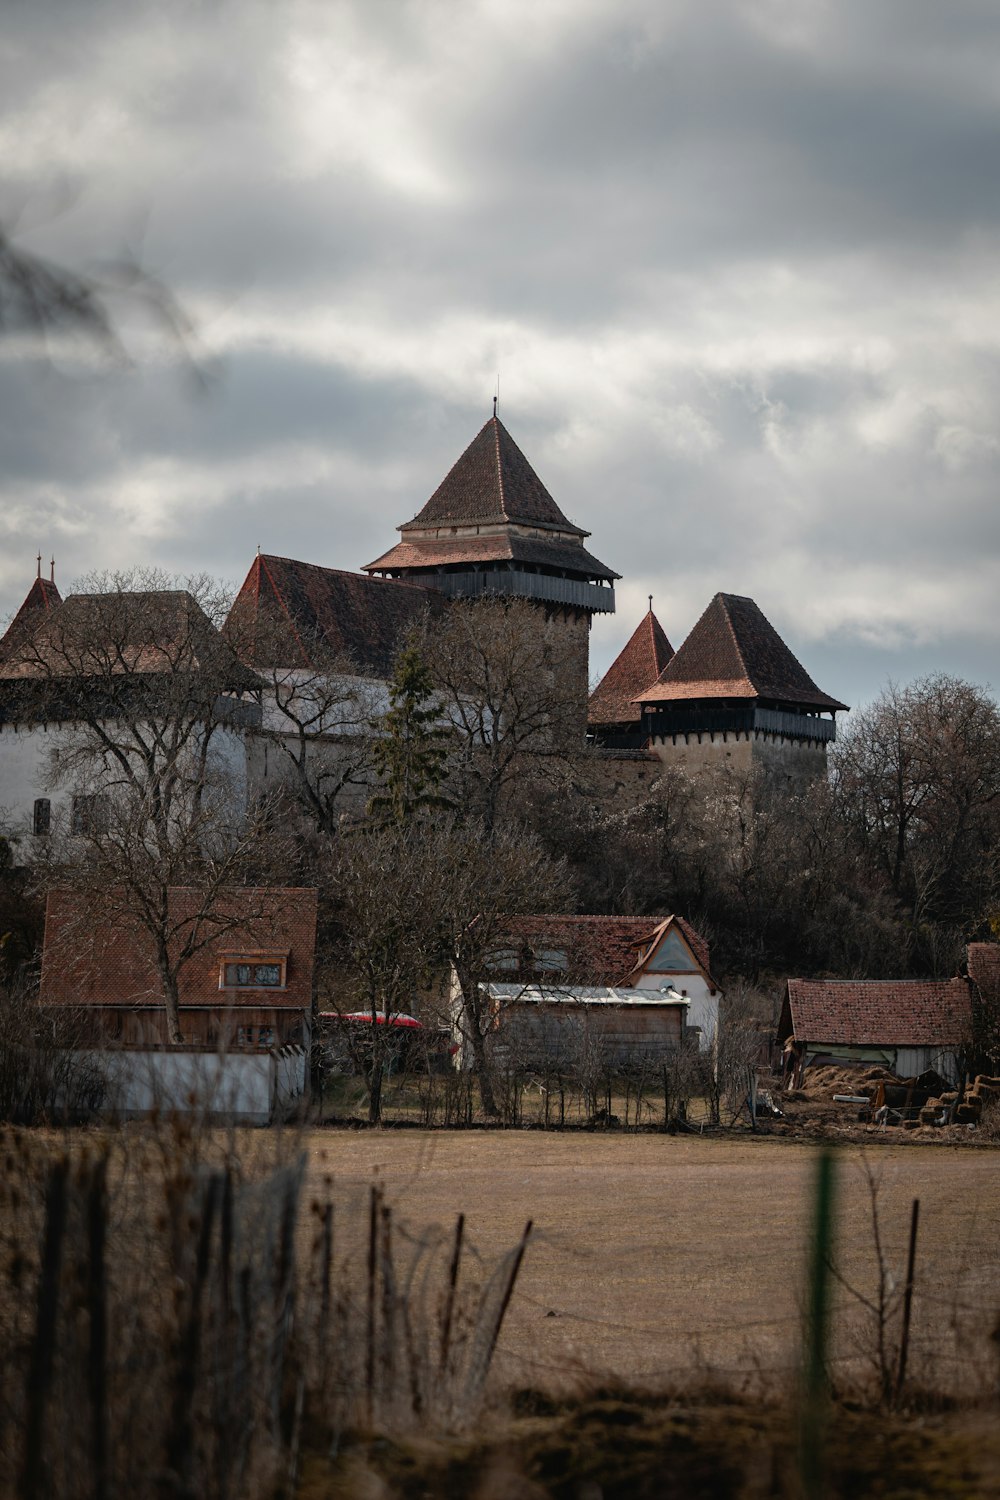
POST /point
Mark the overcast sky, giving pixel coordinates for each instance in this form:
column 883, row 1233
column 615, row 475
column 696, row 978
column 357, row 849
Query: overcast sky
column 737, row 264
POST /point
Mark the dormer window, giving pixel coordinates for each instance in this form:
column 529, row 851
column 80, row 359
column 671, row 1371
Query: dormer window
column 253, row 971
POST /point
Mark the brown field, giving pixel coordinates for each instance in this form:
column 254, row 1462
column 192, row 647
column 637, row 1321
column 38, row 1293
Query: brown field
column 656, row 1255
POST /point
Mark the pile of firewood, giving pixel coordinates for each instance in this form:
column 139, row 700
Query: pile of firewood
column 966, row 1109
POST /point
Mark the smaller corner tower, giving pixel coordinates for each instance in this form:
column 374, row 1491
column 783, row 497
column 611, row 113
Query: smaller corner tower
column 734, row 694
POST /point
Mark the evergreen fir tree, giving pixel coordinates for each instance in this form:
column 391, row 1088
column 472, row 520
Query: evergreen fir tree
column 411, row 751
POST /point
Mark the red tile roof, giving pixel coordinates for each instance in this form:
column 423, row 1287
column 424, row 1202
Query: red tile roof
column 635, row 668
column 435, row 552
column 141, row 632
column 287, row 608
column 40, row 600
column 735, row 652
column 599, row 950
column 100, row 955
column 881, row 1012
column 492, row 481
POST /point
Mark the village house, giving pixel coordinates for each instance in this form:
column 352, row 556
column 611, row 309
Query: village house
column 906, row 1025
column 631, row 987
column 245, row 997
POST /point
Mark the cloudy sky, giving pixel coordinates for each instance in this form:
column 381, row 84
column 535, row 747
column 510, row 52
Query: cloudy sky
column 737, row 264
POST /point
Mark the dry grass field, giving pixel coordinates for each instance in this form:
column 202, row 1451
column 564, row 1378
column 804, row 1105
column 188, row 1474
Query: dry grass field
column 656, row 1255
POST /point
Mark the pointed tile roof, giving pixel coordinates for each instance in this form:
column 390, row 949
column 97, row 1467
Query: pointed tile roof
column 40, row 600
column 634, row 669
column 286, row 607
column 492, row 482
column 735, row 652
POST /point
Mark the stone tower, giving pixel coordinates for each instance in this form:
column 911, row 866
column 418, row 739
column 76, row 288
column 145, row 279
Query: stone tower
column 492, row 528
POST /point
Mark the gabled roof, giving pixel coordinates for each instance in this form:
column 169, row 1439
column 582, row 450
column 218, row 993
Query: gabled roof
column 735, row 652
column 881, row 1012
column 286, row 609
column 125, row 633
column 597, row 950
column 40, row 600
column 99, row 954
column 492, row 482
column 635, row 668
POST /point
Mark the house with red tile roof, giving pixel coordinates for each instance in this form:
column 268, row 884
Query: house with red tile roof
column 636, row 984
column 247, row 984
column 907, row 1025
column 732, row 694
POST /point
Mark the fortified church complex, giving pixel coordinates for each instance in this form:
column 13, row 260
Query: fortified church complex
column 732, row 693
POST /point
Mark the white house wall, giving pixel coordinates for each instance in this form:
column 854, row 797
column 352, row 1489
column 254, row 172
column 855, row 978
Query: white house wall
column 703, row 1011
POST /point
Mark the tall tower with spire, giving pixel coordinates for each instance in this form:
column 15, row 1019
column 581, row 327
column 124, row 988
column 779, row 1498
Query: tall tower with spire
column 492, row 528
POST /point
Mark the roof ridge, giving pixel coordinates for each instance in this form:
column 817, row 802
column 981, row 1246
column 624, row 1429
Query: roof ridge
column 732, row 631
column 500, row 484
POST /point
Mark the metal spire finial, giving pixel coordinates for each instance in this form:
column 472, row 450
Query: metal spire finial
column 52, row 570
column 39, row 565
column 650, row 604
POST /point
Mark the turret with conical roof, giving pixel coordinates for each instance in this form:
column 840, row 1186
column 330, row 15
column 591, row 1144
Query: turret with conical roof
column 614, row 708
column 40, row 600
column 491, row 527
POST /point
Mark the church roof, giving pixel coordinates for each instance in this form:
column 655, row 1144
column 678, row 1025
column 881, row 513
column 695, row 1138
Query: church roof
column 735, row 652
column 537, row 551
column 286, row 608
column 492, row 482
column 635, row 668
column 123, row 633
column 40, row 600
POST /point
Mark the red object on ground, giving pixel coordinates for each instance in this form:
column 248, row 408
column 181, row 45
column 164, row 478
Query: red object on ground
column 380, row 1018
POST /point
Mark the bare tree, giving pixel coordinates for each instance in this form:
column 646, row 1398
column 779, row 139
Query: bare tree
column 152, row 705
column 483, row 879
column 506, row 679
column 918, row 781
column 385, row 949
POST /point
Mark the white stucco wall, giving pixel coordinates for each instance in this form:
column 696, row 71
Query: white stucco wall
column 29, row 766
column 249, row 1088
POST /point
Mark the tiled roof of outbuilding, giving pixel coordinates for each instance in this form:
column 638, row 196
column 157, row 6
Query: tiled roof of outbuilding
column 285, row 607
column 636, row 668
column 735, row 652
column 881, row 1012
column 492, row 481
column 437, row 552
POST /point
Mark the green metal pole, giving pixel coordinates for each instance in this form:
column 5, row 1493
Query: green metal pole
column 816, row 1359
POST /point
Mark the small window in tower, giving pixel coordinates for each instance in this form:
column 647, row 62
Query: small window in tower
column 42, row 819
